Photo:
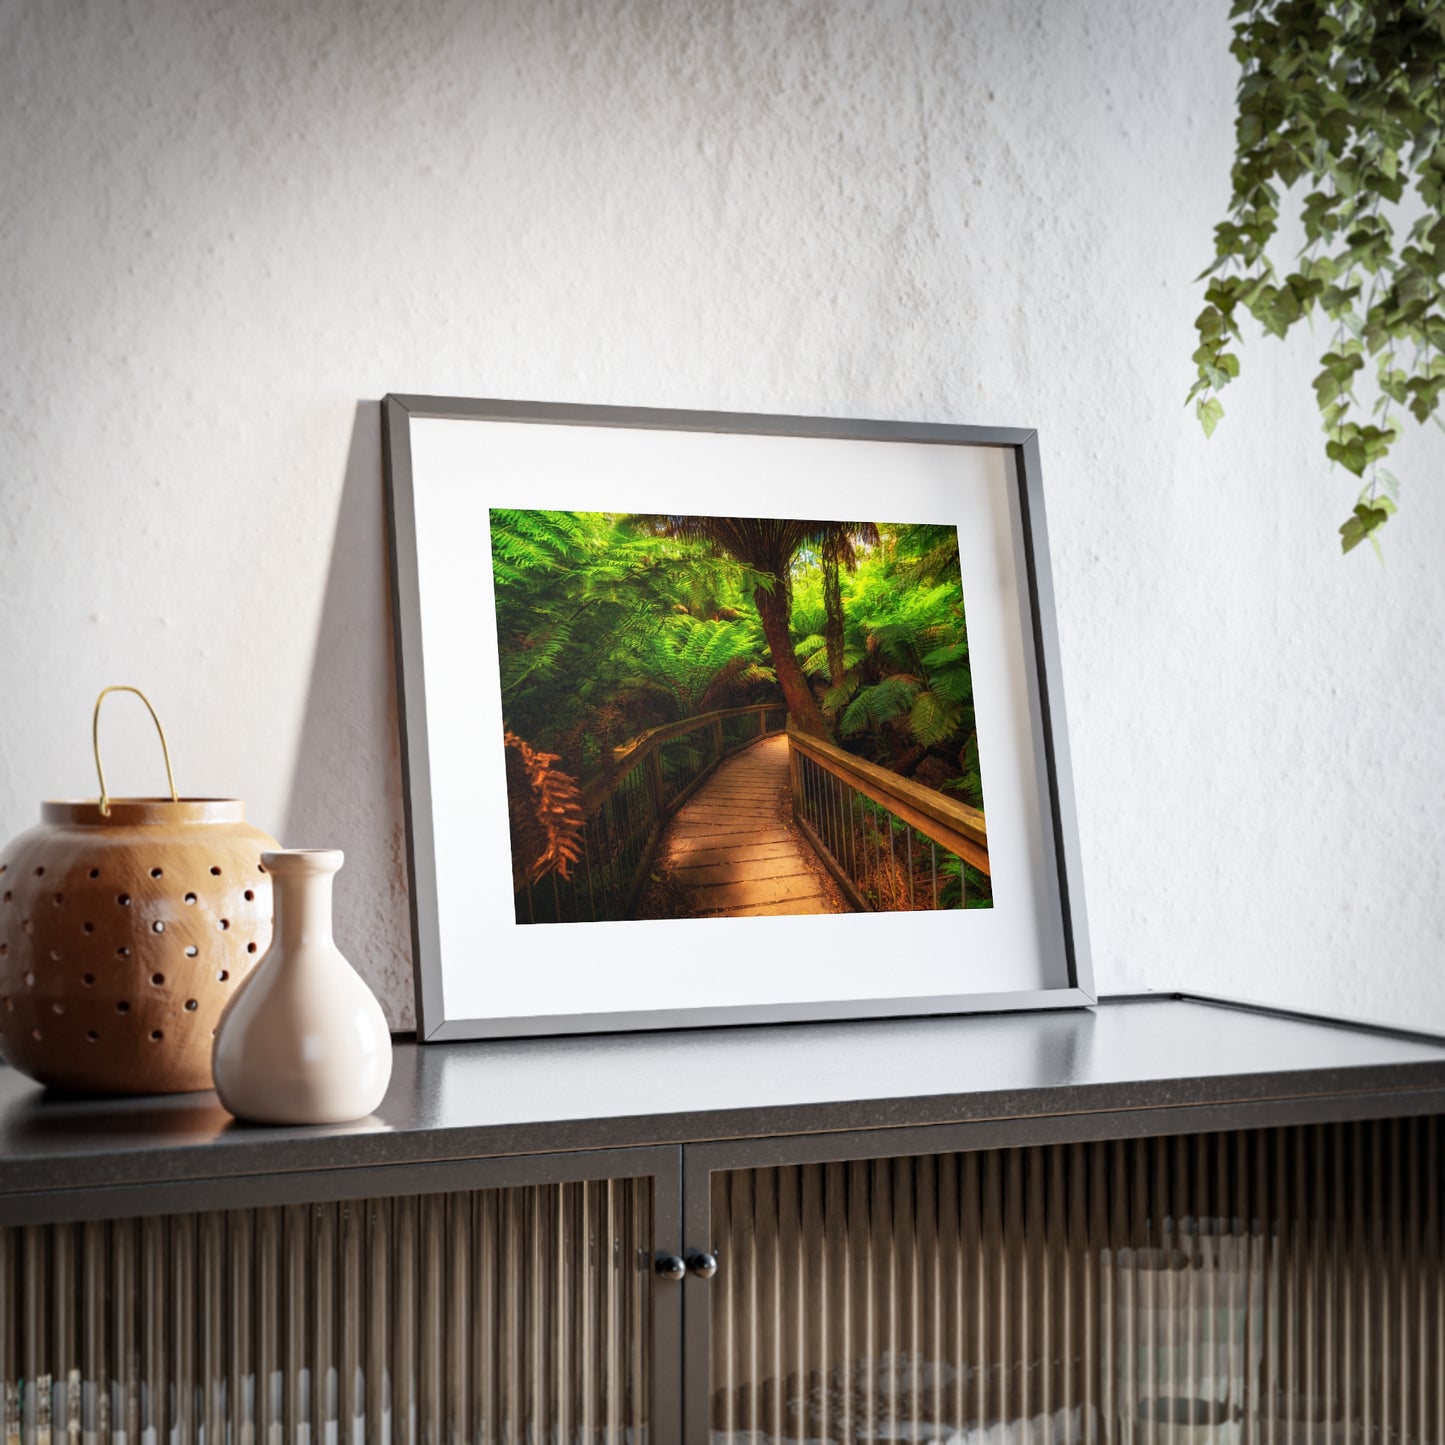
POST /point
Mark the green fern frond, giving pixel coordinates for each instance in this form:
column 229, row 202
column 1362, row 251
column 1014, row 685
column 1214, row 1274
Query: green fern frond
column 879, row 704
column 945, row 654
column 836, row 698
column 933, row 718
column 955, row 684
column 812, row 654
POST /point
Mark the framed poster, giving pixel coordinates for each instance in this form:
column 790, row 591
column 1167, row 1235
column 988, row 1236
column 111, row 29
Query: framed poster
column 715, row 719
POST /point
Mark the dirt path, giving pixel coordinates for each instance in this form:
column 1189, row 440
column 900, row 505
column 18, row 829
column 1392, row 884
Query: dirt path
column 734, row 851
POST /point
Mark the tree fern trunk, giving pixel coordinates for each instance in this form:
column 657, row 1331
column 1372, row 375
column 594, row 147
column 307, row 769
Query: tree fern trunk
column 803, row 709
column 833, row 618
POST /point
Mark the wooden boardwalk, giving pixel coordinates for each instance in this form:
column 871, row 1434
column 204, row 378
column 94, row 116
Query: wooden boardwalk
column 733, row 849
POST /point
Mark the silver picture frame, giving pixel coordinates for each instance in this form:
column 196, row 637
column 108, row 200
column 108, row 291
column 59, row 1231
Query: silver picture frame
column 1070, row 981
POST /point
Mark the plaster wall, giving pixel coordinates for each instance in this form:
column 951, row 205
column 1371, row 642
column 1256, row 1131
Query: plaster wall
column 229, row 227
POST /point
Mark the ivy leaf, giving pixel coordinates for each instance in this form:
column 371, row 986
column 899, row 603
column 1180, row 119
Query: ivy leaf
column 1348, row 99
column 1352, row 533
column 1363, row 522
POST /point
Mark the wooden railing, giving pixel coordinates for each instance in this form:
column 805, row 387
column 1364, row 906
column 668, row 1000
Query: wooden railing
column 890, row 842
column 628, row 803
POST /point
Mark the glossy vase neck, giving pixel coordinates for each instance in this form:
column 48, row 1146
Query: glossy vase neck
column 302, row 883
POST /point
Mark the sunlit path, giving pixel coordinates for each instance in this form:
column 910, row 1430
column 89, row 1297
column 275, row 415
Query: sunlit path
column 733, row 850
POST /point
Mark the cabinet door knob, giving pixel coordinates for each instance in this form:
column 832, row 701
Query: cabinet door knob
column 704, row 1266
column 669, row 1266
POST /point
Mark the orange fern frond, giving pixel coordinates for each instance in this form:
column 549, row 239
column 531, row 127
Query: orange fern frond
column 544, row 808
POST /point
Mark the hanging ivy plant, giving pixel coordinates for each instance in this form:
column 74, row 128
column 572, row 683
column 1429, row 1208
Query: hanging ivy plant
column 1342, row 114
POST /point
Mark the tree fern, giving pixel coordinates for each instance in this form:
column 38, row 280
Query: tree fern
column 690, row 659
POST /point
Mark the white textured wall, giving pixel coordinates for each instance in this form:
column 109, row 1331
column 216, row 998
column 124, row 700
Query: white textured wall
column 229, row 227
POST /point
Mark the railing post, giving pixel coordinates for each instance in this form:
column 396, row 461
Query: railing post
column 762, row 721
column 654, row 773
column 717, row 737
column 795, row 779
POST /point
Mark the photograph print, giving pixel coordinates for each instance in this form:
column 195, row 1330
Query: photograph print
column 732, row 717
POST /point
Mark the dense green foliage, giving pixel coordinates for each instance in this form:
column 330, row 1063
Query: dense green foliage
column 1342, row 110
column 608, row 625
column 772, row 547
column 605, row 629
column 899, row 692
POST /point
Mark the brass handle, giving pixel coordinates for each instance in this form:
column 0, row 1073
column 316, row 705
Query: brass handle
column 95, row 743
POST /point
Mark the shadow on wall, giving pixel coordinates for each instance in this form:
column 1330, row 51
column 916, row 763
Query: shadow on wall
column 347, row 792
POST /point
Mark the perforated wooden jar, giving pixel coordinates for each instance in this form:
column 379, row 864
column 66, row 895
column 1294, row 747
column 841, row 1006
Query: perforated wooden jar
column 123, row 936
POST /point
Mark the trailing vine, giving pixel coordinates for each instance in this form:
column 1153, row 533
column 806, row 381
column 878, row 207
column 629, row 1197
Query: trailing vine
column 1341, row 108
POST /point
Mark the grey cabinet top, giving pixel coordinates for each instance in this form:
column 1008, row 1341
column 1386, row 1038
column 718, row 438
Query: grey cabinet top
column 1155, row 1064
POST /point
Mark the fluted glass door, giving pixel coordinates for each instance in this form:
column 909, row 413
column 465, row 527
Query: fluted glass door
column 473, row 1315
column 1272, row 1286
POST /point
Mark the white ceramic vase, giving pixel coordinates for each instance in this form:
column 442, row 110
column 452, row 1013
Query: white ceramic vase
column 303, row 1040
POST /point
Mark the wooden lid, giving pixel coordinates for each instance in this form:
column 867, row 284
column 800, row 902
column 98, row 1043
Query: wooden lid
column 132, row 812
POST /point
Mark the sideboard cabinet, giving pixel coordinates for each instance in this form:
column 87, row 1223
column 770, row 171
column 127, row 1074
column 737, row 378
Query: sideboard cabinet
column 1159, row 1220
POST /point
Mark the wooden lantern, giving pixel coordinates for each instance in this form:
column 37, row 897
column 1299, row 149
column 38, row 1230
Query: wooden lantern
column 125, row 926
